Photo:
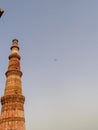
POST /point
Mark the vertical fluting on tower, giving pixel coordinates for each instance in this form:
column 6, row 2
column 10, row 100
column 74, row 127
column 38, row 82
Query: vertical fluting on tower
column 12, row 112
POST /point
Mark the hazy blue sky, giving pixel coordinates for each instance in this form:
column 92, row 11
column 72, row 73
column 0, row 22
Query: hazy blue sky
column 58, row 42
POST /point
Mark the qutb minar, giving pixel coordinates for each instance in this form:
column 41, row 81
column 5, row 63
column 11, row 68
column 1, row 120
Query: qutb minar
column 12, row 110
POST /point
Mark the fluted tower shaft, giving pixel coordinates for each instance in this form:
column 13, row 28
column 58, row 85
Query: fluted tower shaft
column 12, row 112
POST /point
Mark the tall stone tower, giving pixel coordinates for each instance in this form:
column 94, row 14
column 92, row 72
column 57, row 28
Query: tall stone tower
column 12, row 112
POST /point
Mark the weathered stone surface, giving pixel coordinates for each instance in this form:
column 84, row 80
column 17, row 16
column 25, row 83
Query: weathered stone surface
column 12, row 112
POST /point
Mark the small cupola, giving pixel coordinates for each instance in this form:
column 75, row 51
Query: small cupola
column 14, row 48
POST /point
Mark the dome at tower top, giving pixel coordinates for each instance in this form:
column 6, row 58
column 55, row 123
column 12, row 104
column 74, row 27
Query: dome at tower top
column 14, row 44
column 15, row 40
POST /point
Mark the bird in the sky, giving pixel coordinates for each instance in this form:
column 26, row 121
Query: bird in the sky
column 55, row 59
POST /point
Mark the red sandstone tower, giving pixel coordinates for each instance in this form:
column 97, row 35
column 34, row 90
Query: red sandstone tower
column 12, row 112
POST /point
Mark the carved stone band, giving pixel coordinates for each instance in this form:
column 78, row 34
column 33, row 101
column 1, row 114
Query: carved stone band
column 12, row 119
column 12, row 98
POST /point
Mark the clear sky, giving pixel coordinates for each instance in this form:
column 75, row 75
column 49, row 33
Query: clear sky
column 58, row 42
